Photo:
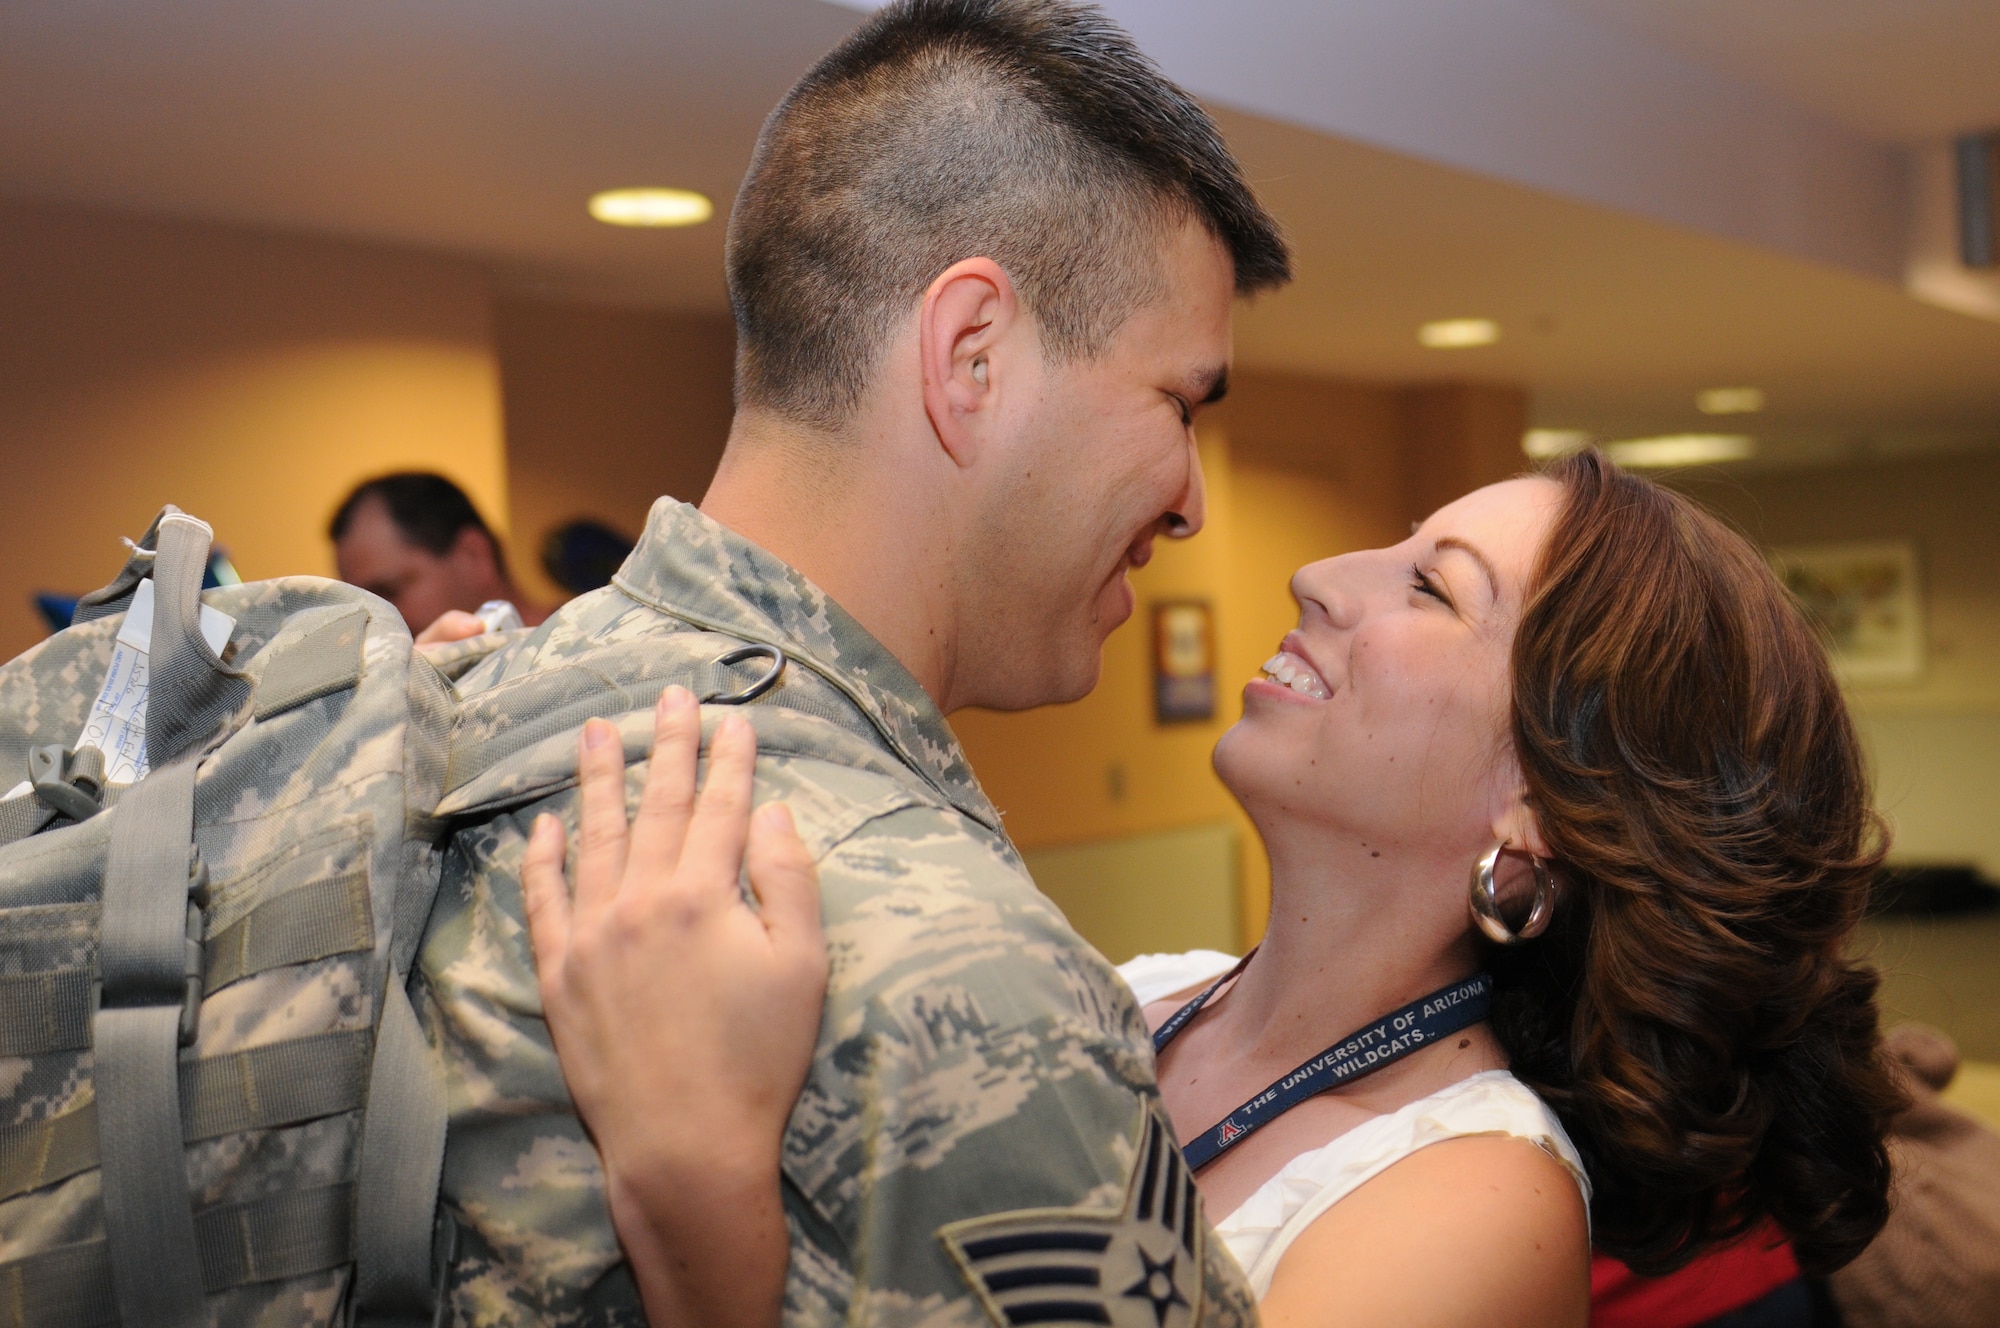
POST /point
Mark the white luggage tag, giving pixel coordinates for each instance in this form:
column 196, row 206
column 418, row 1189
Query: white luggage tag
column 117, row 722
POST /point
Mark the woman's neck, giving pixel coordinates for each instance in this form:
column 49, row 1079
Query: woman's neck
column 1355, row 932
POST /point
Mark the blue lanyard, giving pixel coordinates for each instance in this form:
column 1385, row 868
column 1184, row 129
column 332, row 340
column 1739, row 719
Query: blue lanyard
column 1390, row 1038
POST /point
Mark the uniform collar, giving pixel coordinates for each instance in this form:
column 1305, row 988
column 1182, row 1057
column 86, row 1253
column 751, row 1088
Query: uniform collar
column 693, row 568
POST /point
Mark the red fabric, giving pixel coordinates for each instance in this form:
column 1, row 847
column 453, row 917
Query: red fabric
column 1716, row 1283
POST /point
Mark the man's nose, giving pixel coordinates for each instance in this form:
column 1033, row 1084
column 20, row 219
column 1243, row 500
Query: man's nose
column 1190, row 511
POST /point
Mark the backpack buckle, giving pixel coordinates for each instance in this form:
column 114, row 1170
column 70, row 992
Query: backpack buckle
column 194, row 952
column 68, row 781
column 194, row 956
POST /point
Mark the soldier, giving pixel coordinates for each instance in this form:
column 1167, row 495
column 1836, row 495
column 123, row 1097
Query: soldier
column 983, row 268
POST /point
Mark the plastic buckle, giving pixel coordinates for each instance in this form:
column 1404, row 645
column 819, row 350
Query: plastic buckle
column 48, row 775
column 444, row 1255
column 194, row 955
column 194, row 951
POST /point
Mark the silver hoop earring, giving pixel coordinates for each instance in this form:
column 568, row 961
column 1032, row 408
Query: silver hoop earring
column 1486, row 901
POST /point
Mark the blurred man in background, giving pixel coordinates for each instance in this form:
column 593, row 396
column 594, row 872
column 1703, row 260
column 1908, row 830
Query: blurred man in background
column 416, row 540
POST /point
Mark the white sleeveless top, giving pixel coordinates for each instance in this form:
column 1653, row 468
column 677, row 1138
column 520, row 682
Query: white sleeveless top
column 1260, row 1230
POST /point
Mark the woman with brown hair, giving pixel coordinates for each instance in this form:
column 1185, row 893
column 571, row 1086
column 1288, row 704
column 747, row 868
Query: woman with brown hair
column 1567, row 827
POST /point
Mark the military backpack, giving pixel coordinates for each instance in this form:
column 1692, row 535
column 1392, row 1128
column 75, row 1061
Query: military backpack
column 214, row 873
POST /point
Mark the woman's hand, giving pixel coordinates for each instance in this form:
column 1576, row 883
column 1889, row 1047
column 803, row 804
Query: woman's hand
column 684, row 1019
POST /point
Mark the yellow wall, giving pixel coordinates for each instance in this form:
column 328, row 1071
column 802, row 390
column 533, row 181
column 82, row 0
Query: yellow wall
column 1936, row 741
column 249, row 378
column 1298, row 469
column 606, row 410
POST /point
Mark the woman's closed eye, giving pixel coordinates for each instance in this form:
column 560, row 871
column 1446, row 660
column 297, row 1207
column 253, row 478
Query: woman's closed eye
column 1423, row 584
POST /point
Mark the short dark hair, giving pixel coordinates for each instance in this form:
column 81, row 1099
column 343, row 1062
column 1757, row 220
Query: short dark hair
column 1032, row 132
column 426, row 507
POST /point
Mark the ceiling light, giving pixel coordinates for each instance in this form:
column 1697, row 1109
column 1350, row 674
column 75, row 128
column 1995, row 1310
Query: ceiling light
column 651, row 207
column 1548, row 444
column 1681, row 449
column 1730, row 401
column 1454, row 333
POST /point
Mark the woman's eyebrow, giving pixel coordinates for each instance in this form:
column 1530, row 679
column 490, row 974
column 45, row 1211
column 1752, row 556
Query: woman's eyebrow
column 1492, row 578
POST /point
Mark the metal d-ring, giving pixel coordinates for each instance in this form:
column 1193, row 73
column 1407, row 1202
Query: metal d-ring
column 761, row 685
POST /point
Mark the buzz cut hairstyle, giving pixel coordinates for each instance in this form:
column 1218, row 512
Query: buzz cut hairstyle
column 1031, row 132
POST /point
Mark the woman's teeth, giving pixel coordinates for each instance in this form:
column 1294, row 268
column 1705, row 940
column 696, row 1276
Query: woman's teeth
column 1296, row 674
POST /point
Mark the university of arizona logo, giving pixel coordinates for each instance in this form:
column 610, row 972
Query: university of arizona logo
column 1139, row 1267
column 1231, row 1132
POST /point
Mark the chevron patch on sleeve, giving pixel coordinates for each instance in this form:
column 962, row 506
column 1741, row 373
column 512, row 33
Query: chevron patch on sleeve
column 1139, row 1267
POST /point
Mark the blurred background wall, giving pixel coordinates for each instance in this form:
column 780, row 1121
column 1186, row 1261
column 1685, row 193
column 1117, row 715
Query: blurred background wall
column 606, row 409
column 248, row 376
column 1936, row 739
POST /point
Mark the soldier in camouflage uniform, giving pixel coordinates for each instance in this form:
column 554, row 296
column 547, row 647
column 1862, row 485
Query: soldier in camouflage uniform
column 979, row 1137
column 976, row 1058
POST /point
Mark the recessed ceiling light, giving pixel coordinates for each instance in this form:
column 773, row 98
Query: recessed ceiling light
column 1454, row 333
column 651, row 207
column 1548, row 444
column 1681, row 449
column 1730, row 401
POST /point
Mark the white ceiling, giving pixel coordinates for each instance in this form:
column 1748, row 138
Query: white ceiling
column 474, row 127
column 1617, row 322
column 478, row 127
column 1900, row 71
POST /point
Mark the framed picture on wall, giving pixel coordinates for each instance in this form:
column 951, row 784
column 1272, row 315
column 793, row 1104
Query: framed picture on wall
column 1865, row 596
column 1183, row 661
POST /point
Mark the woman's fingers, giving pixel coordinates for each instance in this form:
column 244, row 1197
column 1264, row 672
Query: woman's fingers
column 601, row 836
column 713, row 852
column 787, row 883
column 668, row 802
column 546, row 895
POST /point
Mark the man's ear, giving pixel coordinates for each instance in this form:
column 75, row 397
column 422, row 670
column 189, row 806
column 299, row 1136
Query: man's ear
column 967, row 315
column 473, row 549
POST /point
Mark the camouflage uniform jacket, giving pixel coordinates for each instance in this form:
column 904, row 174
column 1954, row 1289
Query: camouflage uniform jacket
column 979, row 1139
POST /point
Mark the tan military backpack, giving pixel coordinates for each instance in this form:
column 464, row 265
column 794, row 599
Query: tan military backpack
column 213, row 875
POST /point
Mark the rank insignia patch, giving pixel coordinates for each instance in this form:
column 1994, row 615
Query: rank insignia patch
column 1139, row 1267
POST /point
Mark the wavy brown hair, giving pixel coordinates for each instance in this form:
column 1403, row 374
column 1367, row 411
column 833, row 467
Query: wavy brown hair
column 1692, row 1016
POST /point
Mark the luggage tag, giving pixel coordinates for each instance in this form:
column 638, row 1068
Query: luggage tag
column 116, row 725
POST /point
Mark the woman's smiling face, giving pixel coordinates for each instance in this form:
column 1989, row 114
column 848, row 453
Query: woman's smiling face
column 1385, row 714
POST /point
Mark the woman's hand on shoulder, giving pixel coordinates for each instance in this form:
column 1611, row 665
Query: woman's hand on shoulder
column 685, row 1020
column 1485, row 1230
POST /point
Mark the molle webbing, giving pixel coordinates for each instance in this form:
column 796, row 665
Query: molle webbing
column 266, row 1240
column 286, row 1083
column 50, row 1010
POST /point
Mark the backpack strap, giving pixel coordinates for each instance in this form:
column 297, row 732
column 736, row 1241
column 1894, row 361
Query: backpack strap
column 500, row 748
column 116, row 596
column 21, row 817
column 402, row 1163
column 190, row 691
column 150, row 956
column 397, row 1219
